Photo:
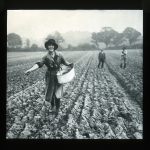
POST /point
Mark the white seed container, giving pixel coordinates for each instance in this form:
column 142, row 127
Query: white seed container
column 66, row 77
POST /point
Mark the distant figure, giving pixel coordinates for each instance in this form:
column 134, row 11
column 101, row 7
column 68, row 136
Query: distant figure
column 101, row 58
column 123, row 58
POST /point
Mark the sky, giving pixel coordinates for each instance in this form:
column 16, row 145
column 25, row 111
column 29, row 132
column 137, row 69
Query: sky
column 37, row 24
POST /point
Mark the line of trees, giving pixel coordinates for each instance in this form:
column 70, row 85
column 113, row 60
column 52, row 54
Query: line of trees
column 130, row 38
column 15, row 42
column 112, row 38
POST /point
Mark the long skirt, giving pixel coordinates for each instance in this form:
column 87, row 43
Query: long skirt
column 53, row 88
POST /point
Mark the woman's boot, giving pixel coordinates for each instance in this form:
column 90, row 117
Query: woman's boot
column 57, row 103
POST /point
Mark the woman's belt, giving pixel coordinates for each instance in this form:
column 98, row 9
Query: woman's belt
column 52, row 71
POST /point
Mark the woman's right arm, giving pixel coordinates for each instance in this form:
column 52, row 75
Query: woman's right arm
column 35, row 67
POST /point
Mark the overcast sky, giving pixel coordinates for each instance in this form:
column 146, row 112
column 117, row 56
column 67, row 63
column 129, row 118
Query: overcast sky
column 37, row 24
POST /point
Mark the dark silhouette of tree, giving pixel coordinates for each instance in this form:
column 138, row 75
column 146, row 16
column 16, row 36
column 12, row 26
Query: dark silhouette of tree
column 107, row 35
column 14, row 40
column 131, row 34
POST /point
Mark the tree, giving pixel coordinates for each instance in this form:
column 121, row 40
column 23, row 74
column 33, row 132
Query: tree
column 59, row 39
column 27, row 43
column 95, row 39
column 34, row 47
column 14, row 40
column 49, row 37
column 56, row 36
column 118, row 39
column 107, row 35
column 131, row 34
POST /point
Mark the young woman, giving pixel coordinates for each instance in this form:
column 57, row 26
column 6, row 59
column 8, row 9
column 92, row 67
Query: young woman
column 52, row 60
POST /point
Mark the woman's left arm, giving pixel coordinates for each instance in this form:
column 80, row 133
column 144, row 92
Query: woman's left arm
column 63, row 61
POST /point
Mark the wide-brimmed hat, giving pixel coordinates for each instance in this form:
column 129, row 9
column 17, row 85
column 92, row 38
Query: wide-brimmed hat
column 51, row 42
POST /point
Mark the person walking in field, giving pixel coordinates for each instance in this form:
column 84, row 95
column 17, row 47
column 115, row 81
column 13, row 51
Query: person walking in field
column 53, row 61
column 123, row 58
column 101, row 58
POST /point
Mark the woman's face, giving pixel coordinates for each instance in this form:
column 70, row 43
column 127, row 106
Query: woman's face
column 51, row 48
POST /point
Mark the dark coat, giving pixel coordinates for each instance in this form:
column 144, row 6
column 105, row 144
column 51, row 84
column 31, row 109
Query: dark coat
column 101, row 56
column 53, row 65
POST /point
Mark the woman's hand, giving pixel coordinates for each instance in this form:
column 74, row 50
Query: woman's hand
column 71, row 65
column 36, row 66
column 27, row 72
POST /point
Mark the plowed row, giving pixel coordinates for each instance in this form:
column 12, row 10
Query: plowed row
column 94, row 106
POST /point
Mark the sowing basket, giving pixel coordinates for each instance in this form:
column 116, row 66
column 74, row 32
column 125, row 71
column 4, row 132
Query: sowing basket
column 66, row 77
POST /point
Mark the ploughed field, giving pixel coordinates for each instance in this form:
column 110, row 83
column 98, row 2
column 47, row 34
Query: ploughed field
column 98, row 104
